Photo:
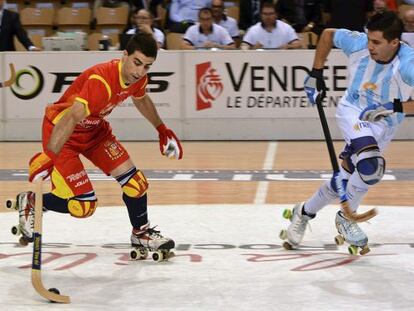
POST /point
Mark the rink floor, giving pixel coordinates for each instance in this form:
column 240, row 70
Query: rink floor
column 228, row 257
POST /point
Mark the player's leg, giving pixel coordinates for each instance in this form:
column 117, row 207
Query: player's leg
column 112, row 158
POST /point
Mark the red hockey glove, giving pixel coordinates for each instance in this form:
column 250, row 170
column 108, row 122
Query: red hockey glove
column 40, row 166
column 169, row 144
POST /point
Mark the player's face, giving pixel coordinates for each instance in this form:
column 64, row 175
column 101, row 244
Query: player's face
column 380, row 48
column 268, row 16
column 135, row 66
column 206, row 20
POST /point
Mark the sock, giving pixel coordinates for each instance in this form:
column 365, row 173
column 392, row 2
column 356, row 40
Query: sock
column 52, row 202
column 355, row 190
column 324, row 196
column 137, row 210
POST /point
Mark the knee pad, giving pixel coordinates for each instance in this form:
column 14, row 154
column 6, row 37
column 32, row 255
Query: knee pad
column 370, row 166
column 82, row 209
column 136, row 186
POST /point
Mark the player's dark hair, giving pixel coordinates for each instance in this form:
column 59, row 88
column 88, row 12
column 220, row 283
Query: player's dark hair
column 267, row 4
column 388, row 22
column 143, row 42
column 205, row 10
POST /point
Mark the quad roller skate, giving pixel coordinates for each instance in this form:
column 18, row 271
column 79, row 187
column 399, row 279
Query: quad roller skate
column 350, row 232
column 24, row 204
column 148, row 240
column 296, row 230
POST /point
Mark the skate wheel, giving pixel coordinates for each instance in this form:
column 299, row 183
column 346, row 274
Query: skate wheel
column 287, row 213
column 283, row 234
column 23, row 241
column 287, row 246
column 353, row 250
column 133, row 254
column 365, row 250
column 15, row 230
column 11, row 204
column 158, row 256
column 339, row 239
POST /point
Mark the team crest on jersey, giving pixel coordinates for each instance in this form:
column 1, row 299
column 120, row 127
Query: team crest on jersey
column 369, row 86
column 113, row 150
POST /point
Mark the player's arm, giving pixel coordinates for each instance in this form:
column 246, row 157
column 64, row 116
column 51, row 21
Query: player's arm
column 65, row 126
column 146, row 107
column 314, row 83
column 324, row 47
column 170, row 145
column 375, row 113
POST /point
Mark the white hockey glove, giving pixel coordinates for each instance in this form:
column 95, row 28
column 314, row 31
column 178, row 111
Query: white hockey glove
column 315, row 85
column 170, row 145
column 375, row 113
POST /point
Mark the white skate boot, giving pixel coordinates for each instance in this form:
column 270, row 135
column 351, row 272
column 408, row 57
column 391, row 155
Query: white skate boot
column 350, row 232
column 24, row 203
column 296, row 230
column 148, row 239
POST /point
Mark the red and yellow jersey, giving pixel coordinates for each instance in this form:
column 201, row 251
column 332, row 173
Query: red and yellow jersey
column 100, row 88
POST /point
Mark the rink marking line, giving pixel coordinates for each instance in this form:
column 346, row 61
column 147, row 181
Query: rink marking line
column 263, row 186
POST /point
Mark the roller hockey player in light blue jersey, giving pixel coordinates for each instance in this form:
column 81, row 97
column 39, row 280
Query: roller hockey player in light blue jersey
column 380, row 84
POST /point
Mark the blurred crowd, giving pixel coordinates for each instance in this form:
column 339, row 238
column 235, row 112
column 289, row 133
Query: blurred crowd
column 190, row 24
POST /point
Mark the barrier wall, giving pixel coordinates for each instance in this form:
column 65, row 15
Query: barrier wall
column 202, row 95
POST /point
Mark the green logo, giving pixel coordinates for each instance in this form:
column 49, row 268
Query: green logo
column 27, row 93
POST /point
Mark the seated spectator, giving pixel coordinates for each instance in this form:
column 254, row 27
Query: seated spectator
column 380, row 6
column 184, row 13
column 408, row 19
column 217, row 8
column 206, row 34
column 11, row 26
column 143, row 21
column 154, row 6
column 349, row 14
column 302, row 15
column 270, row 33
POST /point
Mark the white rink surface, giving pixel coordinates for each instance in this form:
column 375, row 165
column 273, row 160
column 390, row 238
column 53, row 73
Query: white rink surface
column 237, row 263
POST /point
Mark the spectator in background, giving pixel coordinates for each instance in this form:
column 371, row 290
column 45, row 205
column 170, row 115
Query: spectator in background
column 153, row 6
column 270, row 33
column 184, row 13
column 206, row 34
column 143, row 22
column 349, row 14
column 11, row 26
column 249, row 13
column 220, row 18
column 380, row 6
column 408, row 19
column 302, row 15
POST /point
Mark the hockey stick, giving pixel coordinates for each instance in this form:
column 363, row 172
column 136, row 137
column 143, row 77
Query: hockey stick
column 12, row 77
column 51, row 294
column 351, row 215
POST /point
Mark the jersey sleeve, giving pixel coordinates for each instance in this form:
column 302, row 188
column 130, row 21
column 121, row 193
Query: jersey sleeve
column 225, row 36
column 95, row 94
column 249, row 36
column 191, row 35
column 350, row 41
column 407, row 66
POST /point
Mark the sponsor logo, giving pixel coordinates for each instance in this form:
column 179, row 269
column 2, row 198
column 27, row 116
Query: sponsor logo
column 209, row 85
column 76, row 176
column 25, row 88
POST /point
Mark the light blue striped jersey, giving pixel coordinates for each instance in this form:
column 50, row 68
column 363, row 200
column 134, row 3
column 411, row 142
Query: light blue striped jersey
column 372, row 83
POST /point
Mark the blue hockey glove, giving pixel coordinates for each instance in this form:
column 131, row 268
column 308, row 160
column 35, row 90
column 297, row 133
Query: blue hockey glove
column 375, row 113
column 315, row 85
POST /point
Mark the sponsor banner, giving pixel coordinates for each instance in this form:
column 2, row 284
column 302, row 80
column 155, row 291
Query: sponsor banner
column 43, row 77
column 257, row 84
